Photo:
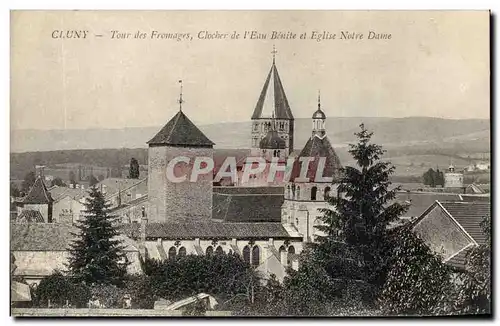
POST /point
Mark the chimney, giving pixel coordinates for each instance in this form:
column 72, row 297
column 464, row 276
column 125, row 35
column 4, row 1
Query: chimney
column 83, row 187
column 72, row 185
column 77, row 186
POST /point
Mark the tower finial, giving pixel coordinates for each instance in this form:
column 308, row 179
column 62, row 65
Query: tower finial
column 319, row 99
column 180, row 96
column 274, row 53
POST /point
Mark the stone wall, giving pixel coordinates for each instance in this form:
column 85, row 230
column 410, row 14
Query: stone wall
column 85, row 312
column 169, row 201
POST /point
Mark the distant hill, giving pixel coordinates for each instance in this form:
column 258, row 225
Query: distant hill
column 388, row 131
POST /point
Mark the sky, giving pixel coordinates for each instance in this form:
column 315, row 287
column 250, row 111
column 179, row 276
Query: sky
column 435, row 64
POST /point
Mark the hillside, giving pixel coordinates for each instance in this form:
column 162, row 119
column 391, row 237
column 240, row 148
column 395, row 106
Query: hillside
column 388, row 131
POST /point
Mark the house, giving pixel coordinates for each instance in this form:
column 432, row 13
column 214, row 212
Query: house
column 68, row 204
column 41, row 248
column 37, row 205
column 452, row 228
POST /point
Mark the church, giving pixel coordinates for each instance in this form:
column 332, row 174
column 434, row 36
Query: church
column 267, row 223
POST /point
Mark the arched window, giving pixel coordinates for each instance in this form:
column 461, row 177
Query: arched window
column 246, row 254
column 327, row 193
column 182, row 252
column 298, row 192
column 209, row 251
column 219, row 251
column 288, row 192
column 283, row 255
column 278, row 153
column 314, row 190
column 291, row 255
column 172, row 252
column 255, row 256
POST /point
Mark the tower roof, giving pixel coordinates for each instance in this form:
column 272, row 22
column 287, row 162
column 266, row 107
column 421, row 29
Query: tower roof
column 272, row 98
column 180, row 131
column 38, row 193
column 272, row 141
column 318, row 147
column 319, row 114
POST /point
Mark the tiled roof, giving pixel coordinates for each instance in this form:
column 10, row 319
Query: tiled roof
column 420, row 201
column 49, row 237
column 459, row 259
column 247, row 207
column 272, row 98
column 208, row 230
column 470, row 215
column 38, row 193
column 40, row 237
column 180, row 131
column 58, row 192
column 30, row 216
column 319, row 147
column 249, row 190
column 114, row 185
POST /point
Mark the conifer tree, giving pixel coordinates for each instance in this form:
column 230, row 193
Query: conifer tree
column 133, row 169
column 96, row 254
column 358, row 224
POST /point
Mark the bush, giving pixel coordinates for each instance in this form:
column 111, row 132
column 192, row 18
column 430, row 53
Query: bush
column 59, row 290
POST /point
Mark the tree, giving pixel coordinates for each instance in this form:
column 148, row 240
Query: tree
column 72, row 177
column 429, row 178
column 57, row 182
column 133, row 172
column 355, row 232
column 96, row 255
column 28, row 182
column 418, row 282
column 59, row 290
column 474, row 295
column 14, row 191
column 93, row 180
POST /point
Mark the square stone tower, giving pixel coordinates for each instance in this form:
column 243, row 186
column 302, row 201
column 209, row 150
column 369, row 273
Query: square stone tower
column 171, row 200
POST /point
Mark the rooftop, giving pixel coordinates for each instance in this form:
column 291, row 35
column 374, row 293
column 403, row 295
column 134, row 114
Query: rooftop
column 208, row 230
column 180, row 131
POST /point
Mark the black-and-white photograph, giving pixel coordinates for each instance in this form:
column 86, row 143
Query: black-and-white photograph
column 250, row 163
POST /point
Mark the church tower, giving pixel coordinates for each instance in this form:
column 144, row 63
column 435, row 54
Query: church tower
column 303, row 198
column 272, row 111
column 171, row 201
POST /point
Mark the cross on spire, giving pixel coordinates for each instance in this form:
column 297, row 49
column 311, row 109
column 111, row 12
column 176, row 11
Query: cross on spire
column 274, row 53
column 180, row 97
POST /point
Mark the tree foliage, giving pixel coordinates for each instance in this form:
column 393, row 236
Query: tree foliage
column 57, row 182
column 222, row 275
column 96, row 255
column 474, row 295
column 28, row 182
column 133, row 172
column 59, row 290
column 418, row 282
column 357, row 225
column 93, row 180
column 433, row 178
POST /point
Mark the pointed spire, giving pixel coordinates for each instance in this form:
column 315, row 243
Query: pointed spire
column 180, row 96
column 274, row 54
